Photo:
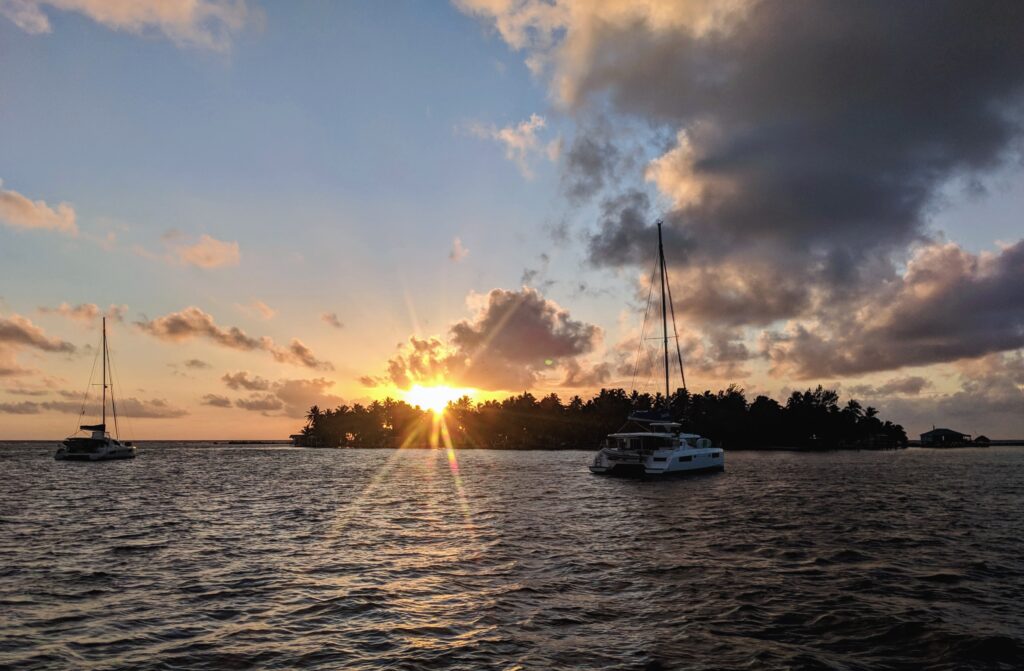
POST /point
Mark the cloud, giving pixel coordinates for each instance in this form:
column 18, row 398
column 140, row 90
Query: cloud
column 241, row 380
column 521, row 141
column 948, row 305
column 208, row 24
column 801, row 147
column 209, row 252
column 20, row 212
column 291, row 397
column 156, row 408
column 910, row 386
column 259, row 309
column 21, row 391
column 298, row 396
column 331, row 318
column 196, row 364
column 260, row 403
column 514, row 338
column 990, row 400
column 18, row 331
column 21, row 408
column 577, row 376
column 458, row 252
column 86, row 312
column 216, row 401
column 192, row 322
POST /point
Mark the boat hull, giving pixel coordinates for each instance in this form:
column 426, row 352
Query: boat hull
column 633, row 471
column 79, row 449
column 658, row 464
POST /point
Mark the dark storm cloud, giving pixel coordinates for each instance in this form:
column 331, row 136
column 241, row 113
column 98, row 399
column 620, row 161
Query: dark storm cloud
column 948, row 305
column 814, row 133
column 594, row 161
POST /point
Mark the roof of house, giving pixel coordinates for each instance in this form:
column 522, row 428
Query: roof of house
column 935, row 432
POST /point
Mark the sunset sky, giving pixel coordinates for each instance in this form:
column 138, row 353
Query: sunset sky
column 286, row 203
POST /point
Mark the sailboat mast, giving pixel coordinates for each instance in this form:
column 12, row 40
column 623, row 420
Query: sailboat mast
column 664, row 314
column 104, row 420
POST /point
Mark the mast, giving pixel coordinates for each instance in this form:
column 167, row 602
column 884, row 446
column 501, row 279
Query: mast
column 104, row 420
column 664, row 306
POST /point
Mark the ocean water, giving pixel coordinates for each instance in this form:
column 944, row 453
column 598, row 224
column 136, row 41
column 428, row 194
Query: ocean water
column 193, row 557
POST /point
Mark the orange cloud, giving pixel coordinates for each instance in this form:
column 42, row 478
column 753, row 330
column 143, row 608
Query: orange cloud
column 194, row 323
column 20, row 212
column 208, row 24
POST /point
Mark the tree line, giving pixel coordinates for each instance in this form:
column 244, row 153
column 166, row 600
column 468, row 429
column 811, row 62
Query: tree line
column 811, row 419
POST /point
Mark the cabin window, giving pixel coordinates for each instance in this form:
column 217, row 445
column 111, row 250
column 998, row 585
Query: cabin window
column 689, row 458
column 713, row 456
column 659, row 458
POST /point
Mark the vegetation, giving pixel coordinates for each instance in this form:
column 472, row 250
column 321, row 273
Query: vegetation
column 812, row 419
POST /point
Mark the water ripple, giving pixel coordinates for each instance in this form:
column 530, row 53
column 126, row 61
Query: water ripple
column 226, row 557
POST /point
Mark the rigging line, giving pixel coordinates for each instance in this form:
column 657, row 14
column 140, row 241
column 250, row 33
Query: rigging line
column 672, row 306
column 128, row 424
column 643, row 329
column 85, row 397
column 113, row 403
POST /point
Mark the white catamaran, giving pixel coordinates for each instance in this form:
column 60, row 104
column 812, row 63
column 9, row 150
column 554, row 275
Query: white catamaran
column 650, row 443
column 99, row 445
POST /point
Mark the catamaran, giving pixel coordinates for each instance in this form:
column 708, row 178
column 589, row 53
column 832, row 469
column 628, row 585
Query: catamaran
column 651, row 443
column 98, row 445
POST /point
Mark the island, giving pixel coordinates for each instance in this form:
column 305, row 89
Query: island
column 809, row 420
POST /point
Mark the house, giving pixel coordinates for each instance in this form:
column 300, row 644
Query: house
column 944, row 438
column 982, row 441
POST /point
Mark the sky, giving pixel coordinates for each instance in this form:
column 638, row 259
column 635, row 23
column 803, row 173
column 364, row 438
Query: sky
column 280, row 204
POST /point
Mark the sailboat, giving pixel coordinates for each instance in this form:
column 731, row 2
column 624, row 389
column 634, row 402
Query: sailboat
column 98, row 445
column 651, row 443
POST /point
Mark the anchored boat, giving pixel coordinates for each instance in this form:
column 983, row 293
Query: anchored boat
column 97, row 444
column 650, row 443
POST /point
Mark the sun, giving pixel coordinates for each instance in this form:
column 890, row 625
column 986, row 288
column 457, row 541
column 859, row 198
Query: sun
column 436, row 398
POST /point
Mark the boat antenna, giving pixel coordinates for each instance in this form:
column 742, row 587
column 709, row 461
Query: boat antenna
column 664, row 307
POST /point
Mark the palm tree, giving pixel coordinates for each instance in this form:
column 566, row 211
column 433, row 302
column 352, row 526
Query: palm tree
column 313, row 416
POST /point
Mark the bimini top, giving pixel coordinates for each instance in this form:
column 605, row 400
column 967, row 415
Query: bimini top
column 93, row 427
column 654, row 434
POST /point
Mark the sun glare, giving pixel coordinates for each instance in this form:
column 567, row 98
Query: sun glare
column 434, row 399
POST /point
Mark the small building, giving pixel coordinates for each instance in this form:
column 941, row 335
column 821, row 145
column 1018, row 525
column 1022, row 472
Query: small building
column 982, row 441
column 944, row 438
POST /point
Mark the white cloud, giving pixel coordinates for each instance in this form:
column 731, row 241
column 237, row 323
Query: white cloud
column 459, row 251
column 521, row 141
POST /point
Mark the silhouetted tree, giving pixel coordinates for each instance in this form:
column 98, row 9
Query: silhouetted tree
column 810, row 419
